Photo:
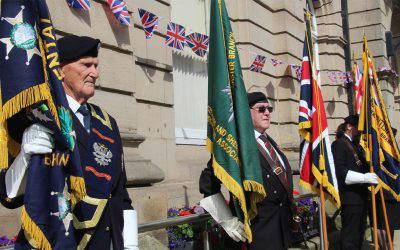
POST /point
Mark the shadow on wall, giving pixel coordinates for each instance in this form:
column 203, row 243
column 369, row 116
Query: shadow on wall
column 121, row 32
column 330, row 108
column 83, row 15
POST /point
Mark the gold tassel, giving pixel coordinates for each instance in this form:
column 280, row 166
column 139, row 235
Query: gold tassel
column 321, row 162
column 30, row 228
column 78, row 189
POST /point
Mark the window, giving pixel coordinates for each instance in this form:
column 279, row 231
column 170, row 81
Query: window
column 190, row 75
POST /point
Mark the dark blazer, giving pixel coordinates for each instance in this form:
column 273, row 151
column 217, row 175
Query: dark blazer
column 111, row 223
column 355, row 194
column 275, row 217
column 271, row 227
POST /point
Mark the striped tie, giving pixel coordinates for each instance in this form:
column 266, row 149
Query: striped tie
column 272, row 152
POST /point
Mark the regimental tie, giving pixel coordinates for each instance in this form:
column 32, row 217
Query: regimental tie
column 86, row 117
column 278, row 168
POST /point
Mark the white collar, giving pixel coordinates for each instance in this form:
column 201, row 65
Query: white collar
column 258, row 134
column 73, row 104
column 348, row 136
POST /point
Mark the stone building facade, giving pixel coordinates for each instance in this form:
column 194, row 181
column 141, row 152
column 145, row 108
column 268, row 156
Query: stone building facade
column 159, row 96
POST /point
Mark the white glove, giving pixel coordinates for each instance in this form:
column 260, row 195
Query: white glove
column 130, row 231
column 216, row 206
column 353, row 177
column 36, row 139
column 371, row 178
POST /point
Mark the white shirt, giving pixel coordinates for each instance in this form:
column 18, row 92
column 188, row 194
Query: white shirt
column 348, row 136
column 74, row 106
column 259, row 141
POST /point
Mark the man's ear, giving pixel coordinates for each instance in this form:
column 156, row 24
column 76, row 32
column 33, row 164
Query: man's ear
column 62, row 71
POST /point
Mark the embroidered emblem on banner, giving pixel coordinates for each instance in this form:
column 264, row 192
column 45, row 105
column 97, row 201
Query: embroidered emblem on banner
column 23, row 36
column 64, row 208
column 102, row 154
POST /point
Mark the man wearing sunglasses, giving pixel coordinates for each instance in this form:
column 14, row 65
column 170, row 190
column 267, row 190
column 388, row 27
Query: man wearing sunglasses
column 271, row 227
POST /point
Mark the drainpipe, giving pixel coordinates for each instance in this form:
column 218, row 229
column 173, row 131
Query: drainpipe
column 347, row 53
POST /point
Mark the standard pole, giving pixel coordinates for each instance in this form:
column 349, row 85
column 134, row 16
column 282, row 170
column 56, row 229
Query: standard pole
column 324, row 231
column 374, row 210
column 389, row 236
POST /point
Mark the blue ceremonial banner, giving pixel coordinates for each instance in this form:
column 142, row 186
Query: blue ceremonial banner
column 377, row 137
column 32, row 92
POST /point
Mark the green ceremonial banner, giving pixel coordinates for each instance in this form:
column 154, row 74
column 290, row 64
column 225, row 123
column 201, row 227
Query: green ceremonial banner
column 230, row 130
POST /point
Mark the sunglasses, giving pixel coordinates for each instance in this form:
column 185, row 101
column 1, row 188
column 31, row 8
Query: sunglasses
column 262, row 109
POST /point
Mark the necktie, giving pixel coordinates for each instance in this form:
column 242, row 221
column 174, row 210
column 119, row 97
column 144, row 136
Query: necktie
column 86, row 117
column 272, row 152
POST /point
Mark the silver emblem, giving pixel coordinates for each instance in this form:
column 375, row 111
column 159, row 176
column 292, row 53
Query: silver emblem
column 102, row 155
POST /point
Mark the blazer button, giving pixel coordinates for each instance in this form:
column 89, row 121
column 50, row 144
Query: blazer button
column 275, row 192
column 280, row 204
column 107, row 229
column 267, row 175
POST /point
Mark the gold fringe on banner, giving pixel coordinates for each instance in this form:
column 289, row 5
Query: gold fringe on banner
column 34, row 232
column 78, row 189
column 25, row 99
column 3, row 145
column 238, row 192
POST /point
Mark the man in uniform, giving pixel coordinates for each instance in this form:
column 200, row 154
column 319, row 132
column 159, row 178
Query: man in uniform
column 105, row 217
column 271, row 227
column 354, row 179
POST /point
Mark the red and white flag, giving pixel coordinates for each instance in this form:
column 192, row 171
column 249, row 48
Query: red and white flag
column 358, row 85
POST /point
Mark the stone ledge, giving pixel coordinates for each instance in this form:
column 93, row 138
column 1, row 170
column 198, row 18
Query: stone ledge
column 139, row 171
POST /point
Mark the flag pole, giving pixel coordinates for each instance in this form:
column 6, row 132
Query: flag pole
column 323, row 214
column 389, row 236
column 322, row 158
column 374, row 207
column 369, row 138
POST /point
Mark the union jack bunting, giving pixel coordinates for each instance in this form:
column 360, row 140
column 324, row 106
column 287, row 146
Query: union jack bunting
column 149, row 22
column 275, row 62
column 79, row 4
column 297, row 69
column 118, row 7
column 316, row 159
column 175, row 36
column 198, row 43
column 258, row 63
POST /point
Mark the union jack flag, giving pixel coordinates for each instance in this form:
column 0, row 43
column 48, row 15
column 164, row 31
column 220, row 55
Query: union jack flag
column 175, row 36
column 258, row 63
column 149, row 22
column 198, row 43
column 358, row 86
column 118, row 7
column 79, row 4
column 316, row 160
column 275, row 62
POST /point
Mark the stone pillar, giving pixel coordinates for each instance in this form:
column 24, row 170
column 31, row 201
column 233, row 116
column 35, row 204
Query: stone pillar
column 275, row 30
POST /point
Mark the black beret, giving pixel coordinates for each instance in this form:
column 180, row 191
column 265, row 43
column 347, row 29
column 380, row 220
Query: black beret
column 256, row 97
column 352, row 120
column 73, row 47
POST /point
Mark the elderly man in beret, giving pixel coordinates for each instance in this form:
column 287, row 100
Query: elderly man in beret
column 353, row 179
column 105, row 218
column 271, row 228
